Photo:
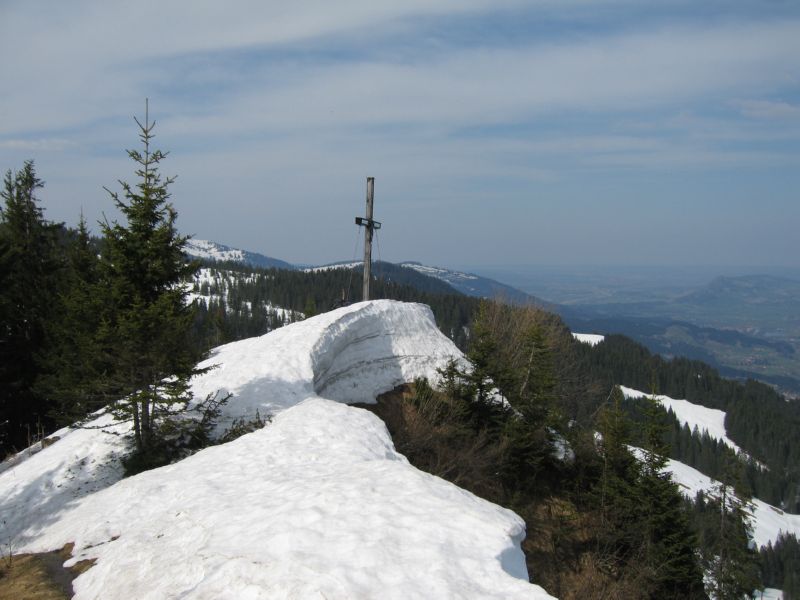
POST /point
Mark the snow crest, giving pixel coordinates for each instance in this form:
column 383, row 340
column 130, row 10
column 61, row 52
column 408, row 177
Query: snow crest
column 318, row 504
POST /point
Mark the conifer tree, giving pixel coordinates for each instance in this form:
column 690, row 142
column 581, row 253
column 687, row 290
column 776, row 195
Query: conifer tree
column 616, row 493
column 145, row 334
column 669, row 543
column 72, row 363
column 729, row 557
column 31, row 268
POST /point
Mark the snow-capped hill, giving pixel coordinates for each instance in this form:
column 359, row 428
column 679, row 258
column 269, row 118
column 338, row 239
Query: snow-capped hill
column 317, row 504
column 475, row 285
column 220, row 252
column 440, row 273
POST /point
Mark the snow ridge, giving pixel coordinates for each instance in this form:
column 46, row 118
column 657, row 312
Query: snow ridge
column 318, row 504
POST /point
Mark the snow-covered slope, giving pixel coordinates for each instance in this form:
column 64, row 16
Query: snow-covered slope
column 333, row 266
column 220, row 252
column 767, row 521
column 589, row 338
column 710, row 420
column 316, row 505
column 212, row 284
column 475, row 285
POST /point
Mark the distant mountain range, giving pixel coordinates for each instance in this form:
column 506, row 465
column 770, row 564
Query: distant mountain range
column 468, row 284
column 746, row 326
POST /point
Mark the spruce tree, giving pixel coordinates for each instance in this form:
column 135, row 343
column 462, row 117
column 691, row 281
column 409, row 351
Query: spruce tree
column 729, row 556
column 145, row 334
column 30, row 269
column 670, row 546
column 615, row 493
column 72, row 364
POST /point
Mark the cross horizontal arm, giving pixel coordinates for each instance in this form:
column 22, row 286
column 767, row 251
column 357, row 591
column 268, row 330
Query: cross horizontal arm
column 363, row 222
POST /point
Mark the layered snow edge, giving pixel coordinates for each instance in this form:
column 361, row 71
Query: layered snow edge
column 316, row 505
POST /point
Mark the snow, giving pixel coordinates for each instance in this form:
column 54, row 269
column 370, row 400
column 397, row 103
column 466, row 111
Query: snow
column 222, row 281
column 589, row 338
column 350, row 265
column 710, row 420
column 767, row 521
column 769, row 594
column 318, row 504
column 212, row 250
column 438, row 272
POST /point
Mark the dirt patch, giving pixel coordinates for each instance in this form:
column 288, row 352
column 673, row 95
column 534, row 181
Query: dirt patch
column 40, row 576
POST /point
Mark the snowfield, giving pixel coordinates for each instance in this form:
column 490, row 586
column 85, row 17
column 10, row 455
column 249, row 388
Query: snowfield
column 710, row 420
column 767, row 521
column 318, row 504
column 334, row 266
column 439, row 273
column 212, row 250
column 589, row 338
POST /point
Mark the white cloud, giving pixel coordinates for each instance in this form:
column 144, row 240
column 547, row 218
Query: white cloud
column 37, row 145
column 765, row 109
column 278, row 109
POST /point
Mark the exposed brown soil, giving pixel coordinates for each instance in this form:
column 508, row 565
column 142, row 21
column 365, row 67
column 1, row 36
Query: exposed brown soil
column 39, row 576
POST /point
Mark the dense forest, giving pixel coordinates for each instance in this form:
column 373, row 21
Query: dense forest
column 76, row 310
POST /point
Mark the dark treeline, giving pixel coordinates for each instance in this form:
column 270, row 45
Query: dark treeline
column 780, row 566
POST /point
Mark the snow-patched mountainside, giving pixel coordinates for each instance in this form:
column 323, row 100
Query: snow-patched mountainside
column 220, row 252
column 709, row 420
column 318, row 504
column 475, row 285
column 767, row 521
column 212, row 250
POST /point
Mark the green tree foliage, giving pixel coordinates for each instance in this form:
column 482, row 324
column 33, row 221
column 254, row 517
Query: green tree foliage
column 30, row 269
column 780, row 565
column 510, row 356
column 145, row 332
column 615, row 491
column 722, row 517
column 72, row 361
column 645, row 529
column 669, row 543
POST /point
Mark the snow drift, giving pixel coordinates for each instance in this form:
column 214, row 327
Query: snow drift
column 318, row 504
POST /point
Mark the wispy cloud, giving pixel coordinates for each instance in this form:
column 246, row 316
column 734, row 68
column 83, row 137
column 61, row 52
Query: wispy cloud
column 37, row 145
column 766, row 109
column 451, row 104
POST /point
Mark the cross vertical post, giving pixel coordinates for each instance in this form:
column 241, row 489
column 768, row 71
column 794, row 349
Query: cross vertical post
column 369, row 225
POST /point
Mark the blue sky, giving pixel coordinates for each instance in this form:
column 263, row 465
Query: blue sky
column 499, row 132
